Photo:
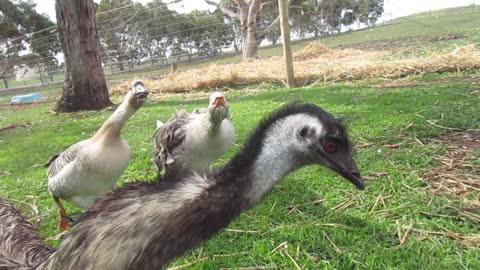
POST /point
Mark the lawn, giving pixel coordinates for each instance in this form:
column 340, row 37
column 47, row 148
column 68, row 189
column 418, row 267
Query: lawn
column 313, row 218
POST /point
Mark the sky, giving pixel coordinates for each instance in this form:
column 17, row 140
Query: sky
column 393, row 8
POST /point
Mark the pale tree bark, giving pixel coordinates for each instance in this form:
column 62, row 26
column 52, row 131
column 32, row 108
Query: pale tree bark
column 84, row 87
column 248, row 13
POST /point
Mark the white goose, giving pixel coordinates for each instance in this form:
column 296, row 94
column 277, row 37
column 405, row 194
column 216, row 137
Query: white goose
column 194, row 140
column 91, row 167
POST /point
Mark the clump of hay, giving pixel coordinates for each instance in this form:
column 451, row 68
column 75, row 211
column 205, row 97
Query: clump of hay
column 311, row 50
column 331, row 65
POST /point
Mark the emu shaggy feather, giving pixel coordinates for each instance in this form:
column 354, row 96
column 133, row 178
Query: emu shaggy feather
column 20, row 245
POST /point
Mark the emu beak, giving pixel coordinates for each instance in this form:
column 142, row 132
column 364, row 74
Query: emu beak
column 346, row 167
column 219, row 101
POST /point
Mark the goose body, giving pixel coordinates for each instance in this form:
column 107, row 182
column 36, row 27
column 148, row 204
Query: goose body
column 91, row 167
column 143, row 225
column 194, row 140
column 88, row 169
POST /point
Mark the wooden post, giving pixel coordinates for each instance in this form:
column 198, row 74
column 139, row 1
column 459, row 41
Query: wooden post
column 287, row 51
column 173, row 67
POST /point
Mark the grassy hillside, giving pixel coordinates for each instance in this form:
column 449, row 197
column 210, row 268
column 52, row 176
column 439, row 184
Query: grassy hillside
column 415, row 29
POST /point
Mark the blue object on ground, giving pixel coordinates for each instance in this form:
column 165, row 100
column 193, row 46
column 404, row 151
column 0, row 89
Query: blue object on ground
column 26, row 98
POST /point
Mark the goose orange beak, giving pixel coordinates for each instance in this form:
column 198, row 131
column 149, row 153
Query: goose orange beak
column 219, row 101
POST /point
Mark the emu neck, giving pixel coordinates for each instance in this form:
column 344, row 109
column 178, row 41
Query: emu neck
column 114, row 124
column 272, row 164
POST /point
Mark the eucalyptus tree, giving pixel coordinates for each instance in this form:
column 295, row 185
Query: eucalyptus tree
column 249, row 13
column 45, row 44
column 85, row 87
column 368, row 11
column 320, row 17
column 21, row 30
column 201, row 33
column 212, row 33
column 159, row 27
column 122, row 27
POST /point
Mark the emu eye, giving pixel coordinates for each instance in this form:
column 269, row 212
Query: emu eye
column 330, row 147
column 303, row 132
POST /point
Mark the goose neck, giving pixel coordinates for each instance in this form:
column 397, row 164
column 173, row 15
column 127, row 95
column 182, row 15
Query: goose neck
column 112, row 127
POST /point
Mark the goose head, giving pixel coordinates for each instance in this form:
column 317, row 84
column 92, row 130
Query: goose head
column 138, row 94
column 218, row 107
column 305, row 134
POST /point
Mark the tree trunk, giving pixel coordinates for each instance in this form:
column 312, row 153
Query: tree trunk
column 42, row 78
column 84, row 87
column 249, row 28
column 5, row 83
column 250, row 48
column 248, row 12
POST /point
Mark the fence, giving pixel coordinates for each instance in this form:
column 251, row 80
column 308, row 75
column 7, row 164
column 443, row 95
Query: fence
column 144, row 44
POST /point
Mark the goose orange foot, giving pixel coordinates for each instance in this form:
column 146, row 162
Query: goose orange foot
column 63, row 224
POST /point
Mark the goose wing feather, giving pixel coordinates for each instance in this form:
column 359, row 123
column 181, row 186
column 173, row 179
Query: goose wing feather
column 168, row 139
column 57, row 162
column 200, row 111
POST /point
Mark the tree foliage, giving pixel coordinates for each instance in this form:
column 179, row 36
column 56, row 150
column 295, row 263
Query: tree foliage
column 122, row 31
column 160, row 25
column 319, row 17
column 155, row 33
column 21, row 31
column 202, row 33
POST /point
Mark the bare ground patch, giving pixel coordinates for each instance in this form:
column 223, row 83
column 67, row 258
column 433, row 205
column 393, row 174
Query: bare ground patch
column 23, row 105
column 14, row 126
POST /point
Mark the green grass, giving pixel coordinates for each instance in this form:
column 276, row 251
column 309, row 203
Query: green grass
column 364, row 236
column 32, row 81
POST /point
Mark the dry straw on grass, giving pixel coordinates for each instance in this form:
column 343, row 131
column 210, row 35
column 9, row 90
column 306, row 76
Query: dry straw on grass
column 311, row 51
column 313, row 63
column 457, row 173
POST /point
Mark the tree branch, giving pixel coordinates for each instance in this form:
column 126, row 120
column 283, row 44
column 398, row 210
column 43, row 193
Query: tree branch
column 241, row 4
column 272, row 26
column 225, row 10
column 269, row 28
column 253, row 11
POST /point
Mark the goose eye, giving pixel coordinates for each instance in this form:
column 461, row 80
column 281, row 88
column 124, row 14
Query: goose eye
column 330, row 147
